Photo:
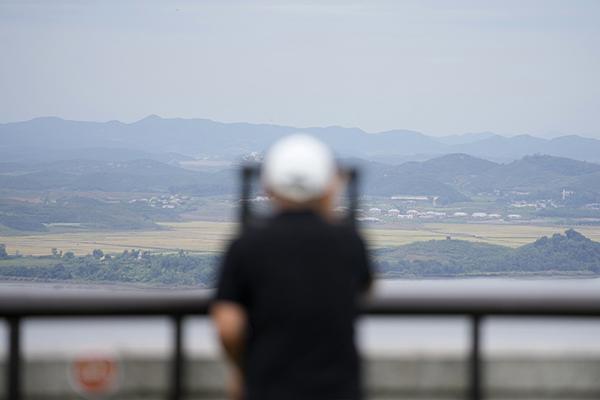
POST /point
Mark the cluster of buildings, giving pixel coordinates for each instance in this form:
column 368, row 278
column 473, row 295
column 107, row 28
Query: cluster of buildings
column 165, row 201
column 376, row 214
column 537, row 204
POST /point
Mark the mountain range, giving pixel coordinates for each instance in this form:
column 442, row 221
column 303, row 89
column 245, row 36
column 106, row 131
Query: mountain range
column 456, row 177
column 162, row 139
column 452, row 178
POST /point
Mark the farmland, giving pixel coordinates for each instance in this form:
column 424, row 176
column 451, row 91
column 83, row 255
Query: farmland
column 512, row 235
column 210, row 237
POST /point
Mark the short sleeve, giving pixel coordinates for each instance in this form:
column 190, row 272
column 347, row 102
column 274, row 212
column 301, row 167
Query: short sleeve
column 230, row 285
column 363, row 263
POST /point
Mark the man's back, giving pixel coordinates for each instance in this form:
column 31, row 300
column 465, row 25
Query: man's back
column 298, row 279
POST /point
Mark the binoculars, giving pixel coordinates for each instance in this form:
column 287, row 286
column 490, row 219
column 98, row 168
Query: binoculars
column 251, row 173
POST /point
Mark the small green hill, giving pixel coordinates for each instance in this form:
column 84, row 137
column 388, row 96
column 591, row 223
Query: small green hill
column 570, row 253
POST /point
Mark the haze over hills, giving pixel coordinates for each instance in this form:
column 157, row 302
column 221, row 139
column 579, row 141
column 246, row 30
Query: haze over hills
column 55, row 154
column 452, row 178
column 203, row 138
column 141, row 175
column 54, row 171
column 455, row 177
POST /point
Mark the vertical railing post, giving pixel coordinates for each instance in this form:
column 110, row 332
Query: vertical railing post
column 475, row 363
column 352, row 195
column 13, row 384
column 247, row 174
column 177, row 367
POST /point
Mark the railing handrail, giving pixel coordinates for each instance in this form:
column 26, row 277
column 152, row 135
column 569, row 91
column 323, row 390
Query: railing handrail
column 190, row 302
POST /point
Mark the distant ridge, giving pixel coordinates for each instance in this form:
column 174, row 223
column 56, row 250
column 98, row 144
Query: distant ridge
column 202, row 138
column 455, row 177
column 451, row 178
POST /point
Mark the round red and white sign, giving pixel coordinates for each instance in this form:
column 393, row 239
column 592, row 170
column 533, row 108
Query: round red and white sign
column 94, row 376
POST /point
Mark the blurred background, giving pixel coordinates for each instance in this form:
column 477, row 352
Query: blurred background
column 123, row 127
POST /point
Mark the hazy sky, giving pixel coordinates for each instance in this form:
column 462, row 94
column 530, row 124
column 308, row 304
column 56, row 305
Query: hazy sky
column 439, row 67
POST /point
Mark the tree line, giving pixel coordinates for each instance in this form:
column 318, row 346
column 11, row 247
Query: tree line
column 570, row 253
column 131, row 266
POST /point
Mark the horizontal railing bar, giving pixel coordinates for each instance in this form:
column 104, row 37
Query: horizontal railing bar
column 197, row 302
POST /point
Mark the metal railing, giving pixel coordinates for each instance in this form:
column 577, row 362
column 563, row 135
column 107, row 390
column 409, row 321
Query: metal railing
column 179, row 305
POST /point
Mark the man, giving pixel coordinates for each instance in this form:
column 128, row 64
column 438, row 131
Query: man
column 287, row 294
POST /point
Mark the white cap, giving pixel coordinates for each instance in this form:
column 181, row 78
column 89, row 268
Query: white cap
column 298, row 168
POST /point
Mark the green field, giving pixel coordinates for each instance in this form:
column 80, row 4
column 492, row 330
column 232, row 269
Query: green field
column 208, row 236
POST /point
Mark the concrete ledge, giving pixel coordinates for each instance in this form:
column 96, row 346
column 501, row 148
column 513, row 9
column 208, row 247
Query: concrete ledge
column 442, row 378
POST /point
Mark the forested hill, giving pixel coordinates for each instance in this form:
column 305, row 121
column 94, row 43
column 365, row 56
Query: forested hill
column 452, row 177
column 456, row 177
column 570, row 253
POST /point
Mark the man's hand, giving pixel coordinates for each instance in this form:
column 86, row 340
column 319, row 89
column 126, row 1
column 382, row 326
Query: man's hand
column 235, row 385
column 230, row 319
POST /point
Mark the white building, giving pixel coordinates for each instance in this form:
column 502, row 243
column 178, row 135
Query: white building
column 369, row 219
column 436, row 213
column 261, row 198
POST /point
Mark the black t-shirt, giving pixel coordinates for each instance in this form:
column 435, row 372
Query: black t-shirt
column 299, row 279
